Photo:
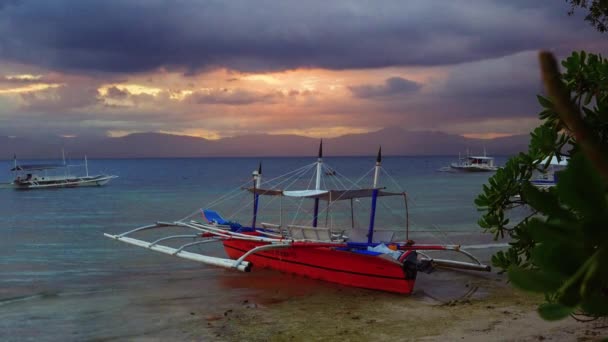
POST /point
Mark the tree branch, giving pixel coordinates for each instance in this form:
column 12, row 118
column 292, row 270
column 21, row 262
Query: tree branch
column 569, row 114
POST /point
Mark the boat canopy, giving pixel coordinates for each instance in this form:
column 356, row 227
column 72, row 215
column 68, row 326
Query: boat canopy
column 480, row 158
column 327, row 195
column 555, row 162
column 36, row 167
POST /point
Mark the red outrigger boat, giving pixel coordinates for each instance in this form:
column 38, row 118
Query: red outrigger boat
column 366, row 258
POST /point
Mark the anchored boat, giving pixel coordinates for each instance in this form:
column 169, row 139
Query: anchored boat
column 342, row 253
column 45, row 176
column 475, row 163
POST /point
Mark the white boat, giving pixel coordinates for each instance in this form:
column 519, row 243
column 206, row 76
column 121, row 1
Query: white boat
column 548, row 178
column 475, row 163
column 41, row 176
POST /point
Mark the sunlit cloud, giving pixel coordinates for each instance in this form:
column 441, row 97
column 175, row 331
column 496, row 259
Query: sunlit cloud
column 120, row 133
column 180, row 94
column 29, row 88
column 489, row 135
column 23, row 77
column 198, row 133
column 325, row 132
column 266, row 78
column 135, row 89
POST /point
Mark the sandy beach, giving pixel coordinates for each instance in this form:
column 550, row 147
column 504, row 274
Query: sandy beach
column 488, row 310
column 447, row 306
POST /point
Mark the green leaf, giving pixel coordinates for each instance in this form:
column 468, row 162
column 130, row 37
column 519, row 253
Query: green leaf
column 534, row 280
column 554, row 231
column 545, row 102
column 596, row 304
column 544, row 201
column 554, row 311
column 581, row 187
column 549, row 256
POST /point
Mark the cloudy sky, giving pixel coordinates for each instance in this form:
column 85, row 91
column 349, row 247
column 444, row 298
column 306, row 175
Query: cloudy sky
column 316, row 68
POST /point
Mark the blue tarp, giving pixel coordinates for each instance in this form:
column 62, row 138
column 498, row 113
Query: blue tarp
column 213, row 217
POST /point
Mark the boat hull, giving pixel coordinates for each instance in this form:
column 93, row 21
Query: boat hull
column 329, row 264
column 67, row 183
column 474, row 168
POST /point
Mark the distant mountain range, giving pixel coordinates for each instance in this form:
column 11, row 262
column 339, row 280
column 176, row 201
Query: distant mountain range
column 394, row 141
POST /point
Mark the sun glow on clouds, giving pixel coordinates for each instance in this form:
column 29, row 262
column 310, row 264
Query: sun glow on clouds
column 198, row 133
column 221, row 103
column 328, row 132
column 486, row 135
column 135, row 89
column 120, row 133
column 30, row 88
column 23, row 77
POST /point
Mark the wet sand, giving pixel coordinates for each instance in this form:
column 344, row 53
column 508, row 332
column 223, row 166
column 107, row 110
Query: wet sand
column 480, row 308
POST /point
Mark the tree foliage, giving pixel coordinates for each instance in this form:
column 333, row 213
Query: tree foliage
column 597, row 12
column 560, row 246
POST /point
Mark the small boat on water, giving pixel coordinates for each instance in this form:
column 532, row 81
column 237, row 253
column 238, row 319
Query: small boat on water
column 475, row 163
column 46, row 176
column 329, row 246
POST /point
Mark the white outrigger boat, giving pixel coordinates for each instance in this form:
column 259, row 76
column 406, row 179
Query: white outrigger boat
column 45, row 176
column 323, row 244
column 475, row 163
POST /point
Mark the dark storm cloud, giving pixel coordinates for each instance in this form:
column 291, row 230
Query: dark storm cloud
column 470, row 93
column 512, row 77
column 391, row 87
column 188, row 35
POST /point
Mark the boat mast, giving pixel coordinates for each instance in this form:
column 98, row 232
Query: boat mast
column 377, row 168
column 257, row 182
column 318, row 182
column 65, row 167
column 15, row 165
column 86, row 165
column 372, row 216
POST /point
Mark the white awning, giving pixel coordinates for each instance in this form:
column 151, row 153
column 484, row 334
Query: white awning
column 555, row 162
column 326, row 195
column 304, row 193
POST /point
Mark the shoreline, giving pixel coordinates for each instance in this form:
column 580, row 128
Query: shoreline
column 492, row 311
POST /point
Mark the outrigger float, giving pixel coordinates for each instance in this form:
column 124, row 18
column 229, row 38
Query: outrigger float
column 366, row 258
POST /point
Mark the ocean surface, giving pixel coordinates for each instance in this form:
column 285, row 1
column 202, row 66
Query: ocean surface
column 61, row 279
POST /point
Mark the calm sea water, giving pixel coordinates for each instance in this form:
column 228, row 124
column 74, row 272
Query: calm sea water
column 57, row 268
